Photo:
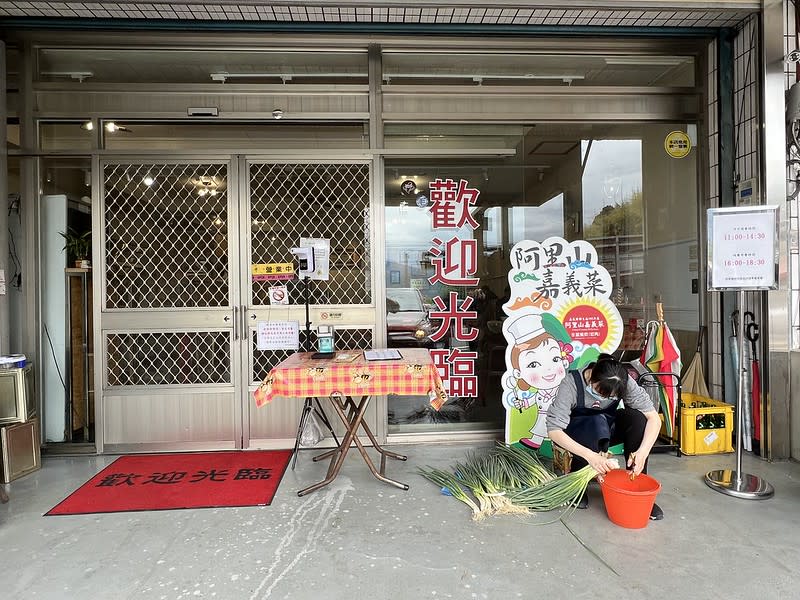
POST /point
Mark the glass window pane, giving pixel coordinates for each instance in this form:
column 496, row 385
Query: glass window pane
column 12, row 136
column 612, row 185
column 65, row 135
column 233, row 136
column 64, row 237
column 212, row 67
column 532, row 69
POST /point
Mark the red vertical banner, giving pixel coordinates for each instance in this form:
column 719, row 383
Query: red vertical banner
column 455, row 263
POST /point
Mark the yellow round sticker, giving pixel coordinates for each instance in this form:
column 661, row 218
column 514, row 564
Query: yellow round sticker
column 677, row 144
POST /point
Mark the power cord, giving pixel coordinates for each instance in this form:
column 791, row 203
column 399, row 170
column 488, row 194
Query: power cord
column 55, row 360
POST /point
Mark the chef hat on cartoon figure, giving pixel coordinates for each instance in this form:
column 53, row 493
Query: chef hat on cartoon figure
column 526, row 328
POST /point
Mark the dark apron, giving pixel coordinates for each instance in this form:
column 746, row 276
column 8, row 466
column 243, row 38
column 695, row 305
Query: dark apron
column 590, row 427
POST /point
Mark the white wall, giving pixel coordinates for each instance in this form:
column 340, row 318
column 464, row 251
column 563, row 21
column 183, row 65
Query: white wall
column 53, row 366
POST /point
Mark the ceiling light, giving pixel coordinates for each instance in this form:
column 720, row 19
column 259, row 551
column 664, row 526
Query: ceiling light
column 148, row 181
column 206, row 185
column 112, row 127
column 88, row 126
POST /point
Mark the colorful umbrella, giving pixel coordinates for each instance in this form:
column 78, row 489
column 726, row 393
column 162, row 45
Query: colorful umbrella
column 661, row 355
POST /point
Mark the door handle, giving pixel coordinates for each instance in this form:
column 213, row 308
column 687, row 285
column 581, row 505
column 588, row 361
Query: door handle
column 244, row 322
column 235, row 323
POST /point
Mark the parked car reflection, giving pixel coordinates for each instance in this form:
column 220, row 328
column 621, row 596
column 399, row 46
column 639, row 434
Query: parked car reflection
column 407, row 320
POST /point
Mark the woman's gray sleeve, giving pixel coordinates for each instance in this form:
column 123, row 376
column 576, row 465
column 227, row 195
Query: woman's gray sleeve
column 561, row 408
column 636, row 397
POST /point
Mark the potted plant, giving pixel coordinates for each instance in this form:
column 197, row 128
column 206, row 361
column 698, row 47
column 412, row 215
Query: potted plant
column 78, row 247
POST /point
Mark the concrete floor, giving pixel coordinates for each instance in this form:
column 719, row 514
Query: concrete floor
column 360, row 538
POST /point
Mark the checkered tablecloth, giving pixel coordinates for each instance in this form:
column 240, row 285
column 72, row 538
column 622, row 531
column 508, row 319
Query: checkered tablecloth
column 300, row 376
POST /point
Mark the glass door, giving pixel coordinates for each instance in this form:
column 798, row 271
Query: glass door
column 286, row 203
column 168, row 232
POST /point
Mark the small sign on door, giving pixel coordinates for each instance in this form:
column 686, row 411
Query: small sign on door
column 278, row 335
column 278, row 294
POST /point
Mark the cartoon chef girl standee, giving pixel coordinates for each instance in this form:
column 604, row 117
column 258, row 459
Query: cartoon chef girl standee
column 538, row 363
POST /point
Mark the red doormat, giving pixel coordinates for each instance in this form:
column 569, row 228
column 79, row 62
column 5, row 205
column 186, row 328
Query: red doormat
column 170, row 481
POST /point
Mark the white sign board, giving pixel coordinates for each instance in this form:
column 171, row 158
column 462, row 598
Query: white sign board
column 322, row 256
column 743, row 248
column 278, row 335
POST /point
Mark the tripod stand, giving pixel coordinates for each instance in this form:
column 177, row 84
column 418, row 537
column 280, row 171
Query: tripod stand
column 308, row 405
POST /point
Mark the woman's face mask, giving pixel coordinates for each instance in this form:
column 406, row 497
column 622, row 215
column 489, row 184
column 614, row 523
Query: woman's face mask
column 595, row 395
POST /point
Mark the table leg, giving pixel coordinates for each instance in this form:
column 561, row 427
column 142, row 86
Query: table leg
column 324, row 418
column 384, row 452
column 338, row 455
column 354, row 419
column 352, row 409
column 307, row 407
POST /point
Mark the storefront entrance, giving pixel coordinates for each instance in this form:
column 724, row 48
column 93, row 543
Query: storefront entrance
column 179, row 307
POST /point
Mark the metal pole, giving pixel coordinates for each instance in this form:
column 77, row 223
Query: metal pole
column 85, row 348
column 308, row 318
column 740, row 396
column 736, row 483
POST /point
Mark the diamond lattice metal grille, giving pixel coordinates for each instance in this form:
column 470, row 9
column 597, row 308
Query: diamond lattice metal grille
column 176, row 358
column 441, row 12
column 166, row 235
column 264, row 360
column 290, row 201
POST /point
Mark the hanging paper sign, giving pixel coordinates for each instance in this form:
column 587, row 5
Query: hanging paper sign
column 278, row 335
column 272, row 271
column 560, row 317
column 278, row 294
column 677, row 144
column 743, row 248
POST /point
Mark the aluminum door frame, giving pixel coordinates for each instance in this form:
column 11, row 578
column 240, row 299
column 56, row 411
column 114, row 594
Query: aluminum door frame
column 354, row 317
column 168, row 320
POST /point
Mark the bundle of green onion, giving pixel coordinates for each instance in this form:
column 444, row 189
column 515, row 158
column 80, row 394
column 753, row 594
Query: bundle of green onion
column 510, row 479
column 448, row 481
column 562, row 491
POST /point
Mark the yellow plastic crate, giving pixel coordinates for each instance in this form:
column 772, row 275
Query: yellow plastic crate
column 706, row 425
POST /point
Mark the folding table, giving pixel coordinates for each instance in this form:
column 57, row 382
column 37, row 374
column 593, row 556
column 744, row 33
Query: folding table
column 341, row 380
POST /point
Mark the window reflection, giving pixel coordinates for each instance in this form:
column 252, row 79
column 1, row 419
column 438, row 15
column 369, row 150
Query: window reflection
column 612, row 185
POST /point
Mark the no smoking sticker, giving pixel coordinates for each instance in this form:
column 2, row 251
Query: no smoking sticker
column 278, row 294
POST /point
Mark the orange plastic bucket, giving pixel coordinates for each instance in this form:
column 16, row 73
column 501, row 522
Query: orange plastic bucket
column 629, row 502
